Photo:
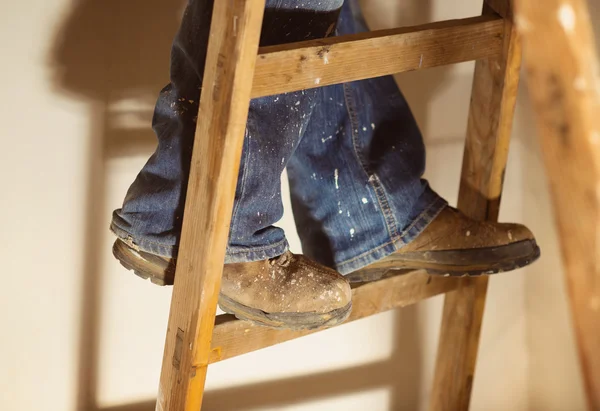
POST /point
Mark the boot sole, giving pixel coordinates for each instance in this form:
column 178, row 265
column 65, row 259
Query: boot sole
column 132, row 261
column 293, row 321
column 485, row 261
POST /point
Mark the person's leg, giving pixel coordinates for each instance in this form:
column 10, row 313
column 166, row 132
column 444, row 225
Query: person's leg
column 262, row 281
column 359, row 198
column 356, row 183
column 152, row 213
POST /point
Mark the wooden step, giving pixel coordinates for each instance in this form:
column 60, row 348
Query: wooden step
column 310, row 64
column 232, row 337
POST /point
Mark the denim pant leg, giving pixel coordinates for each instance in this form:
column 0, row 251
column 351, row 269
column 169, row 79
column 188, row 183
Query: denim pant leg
column 152, row 213
column 357, row 191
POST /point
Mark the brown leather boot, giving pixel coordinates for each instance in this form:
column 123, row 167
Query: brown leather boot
column 289, row 291
column 456, row 245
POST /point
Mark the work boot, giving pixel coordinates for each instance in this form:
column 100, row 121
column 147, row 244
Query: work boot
column 456, row 245
column 289, row 291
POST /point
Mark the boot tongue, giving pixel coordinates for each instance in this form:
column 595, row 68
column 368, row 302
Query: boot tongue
column 283, row 260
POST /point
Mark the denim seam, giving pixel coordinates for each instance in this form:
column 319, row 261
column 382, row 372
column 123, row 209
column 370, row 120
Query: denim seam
column 244, row 163
column 394, row 241
column 421, row 216
column 125, row 235
column 129, row 235
column 263, row 248
column 380, row 194
column 272, row 251
column 382, row 197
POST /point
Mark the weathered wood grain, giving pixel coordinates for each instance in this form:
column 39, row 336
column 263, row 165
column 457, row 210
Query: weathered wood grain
column 564, row 83
column 232, row 51
column 486, row 150
column 334, row 60
column 233, row 337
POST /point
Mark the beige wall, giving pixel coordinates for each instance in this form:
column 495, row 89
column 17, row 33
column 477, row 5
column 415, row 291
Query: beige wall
column 80, row 333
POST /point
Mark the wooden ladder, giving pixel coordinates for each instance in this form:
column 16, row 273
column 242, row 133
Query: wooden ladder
column 564, row 81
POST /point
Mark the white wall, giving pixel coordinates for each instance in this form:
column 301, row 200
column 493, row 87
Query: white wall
column 79, row 332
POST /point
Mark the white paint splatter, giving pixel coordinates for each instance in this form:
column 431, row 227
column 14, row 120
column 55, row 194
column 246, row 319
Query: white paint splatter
column 468, row 233
column 421, row 61
column 336, row 175
column 298, row 102
column 365, row 201
column 326, row 58
column 352, row 231
column 318, row 80
column 566, row 17
column 373, row 126
column 364, row 129
column 283, row 160
column 326, row 139
column 510, row 236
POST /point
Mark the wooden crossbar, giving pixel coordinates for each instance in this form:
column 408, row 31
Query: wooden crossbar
column 232, row 337
column 317, row 63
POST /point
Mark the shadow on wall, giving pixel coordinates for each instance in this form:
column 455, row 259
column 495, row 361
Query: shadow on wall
column 110, row 54
column 114, row 55
column 400, row 373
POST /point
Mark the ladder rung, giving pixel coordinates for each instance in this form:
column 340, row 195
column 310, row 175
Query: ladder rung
column 310, row 64
column 232, row 337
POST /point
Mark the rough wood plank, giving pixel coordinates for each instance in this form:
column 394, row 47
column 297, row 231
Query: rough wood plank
column 564, row 82
column 310, row 64
column 232, row 337
column 486, row 150
column 223, row 112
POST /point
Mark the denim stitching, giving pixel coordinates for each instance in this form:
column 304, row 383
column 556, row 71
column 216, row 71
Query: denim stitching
column 125, row 235
column 423, row 217
column 263, row 248
column 128, row 234
column 393, row 242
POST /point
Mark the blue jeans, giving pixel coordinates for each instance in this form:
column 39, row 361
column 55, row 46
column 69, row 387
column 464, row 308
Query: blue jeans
column 354, row 155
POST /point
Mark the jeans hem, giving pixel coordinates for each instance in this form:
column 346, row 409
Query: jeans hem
column 408, row 235
column 247, row 255
column 148, row 246
column 232, row 255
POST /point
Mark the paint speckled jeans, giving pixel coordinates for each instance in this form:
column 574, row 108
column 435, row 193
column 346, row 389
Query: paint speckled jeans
column 354, row 155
